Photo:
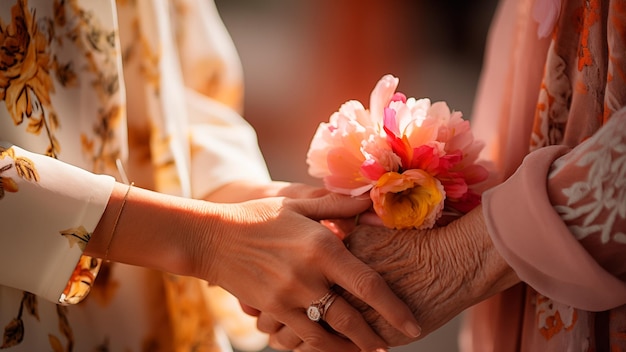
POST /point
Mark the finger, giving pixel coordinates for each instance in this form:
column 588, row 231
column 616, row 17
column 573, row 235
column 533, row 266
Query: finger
column 346, row 320
column 300, row 190
column 330, row 206
column 284, row 339
column 364, row 283
column 249, row 310
column 370, row 218
column 267, row 324
column 343, row 227
column 315, row 336
column 305, row 348
column 337, row 227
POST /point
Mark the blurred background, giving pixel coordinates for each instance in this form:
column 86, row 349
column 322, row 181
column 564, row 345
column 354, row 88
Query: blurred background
column 303, row 58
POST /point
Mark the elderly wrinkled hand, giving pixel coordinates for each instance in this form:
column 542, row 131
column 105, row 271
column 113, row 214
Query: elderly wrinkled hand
column 438, row 272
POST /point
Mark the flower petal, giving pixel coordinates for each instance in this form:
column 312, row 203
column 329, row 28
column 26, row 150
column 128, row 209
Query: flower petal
column 381, row 95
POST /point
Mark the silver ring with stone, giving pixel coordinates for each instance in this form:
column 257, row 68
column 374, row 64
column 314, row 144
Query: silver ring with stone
column 317, row 309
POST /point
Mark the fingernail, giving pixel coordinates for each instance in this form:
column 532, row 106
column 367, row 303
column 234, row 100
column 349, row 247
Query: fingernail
column 412, row 329
column 381, row 350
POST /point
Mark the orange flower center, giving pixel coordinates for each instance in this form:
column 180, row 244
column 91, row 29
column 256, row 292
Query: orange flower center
column 413, row 199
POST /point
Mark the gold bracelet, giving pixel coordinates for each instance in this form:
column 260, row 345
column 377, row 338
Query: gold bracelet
column 117, row 219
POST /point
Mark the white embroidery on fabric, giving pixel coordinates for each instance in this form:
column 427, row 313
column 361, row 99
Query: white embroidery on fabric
column 595, row 204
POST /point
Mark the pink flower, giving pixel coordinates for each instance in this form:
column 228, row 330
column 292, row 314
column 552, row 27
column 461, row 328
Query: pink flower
column 396, row 151
column 413, row 199
column 349, row 152
column 439, row 141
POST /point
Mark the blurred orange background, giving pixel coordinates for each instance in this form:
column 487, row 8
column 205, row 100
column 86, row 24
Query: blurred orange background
column 303, row 59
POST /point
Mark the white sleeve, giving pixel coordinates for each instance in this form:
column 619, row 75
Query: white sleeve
column 48, row 211
column 224, row 146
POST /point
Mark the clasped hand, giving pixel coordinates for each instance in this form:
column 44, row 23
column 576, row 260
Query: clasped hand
column 437, row 272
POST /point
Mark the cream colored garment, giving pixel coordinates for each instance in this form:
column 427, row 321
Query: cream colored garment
column 552, row 111
column 145, row 89
column 42, row 241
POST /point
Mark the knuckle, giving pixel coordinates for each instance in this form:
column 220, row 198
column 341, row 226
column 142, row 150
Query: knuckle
column 311, row 255
column 321, row 246
column 280, row 299
column 343, row 323
column 267, row 324
column 274, row 304
column 280, row 341
column 262, row 327
column 275, row 343
column 314, row 340
column 367, row 284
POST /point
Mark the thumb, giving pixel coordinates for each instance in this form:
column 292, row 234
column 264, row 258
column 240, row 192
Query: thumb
column 370, row 218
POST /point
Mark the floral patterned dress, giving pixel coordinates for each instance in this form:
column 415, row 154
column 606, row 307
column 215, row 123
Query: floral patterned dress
column 94, row 91
column 552, row 109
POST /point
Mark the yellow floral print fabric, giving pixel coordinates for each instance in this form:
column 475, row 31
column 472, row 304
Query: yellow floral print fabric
column 97, row 91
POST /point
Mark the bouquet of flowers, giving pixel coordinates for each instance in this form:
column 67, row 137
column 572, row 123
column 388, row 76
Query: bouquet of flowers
column 414, row 158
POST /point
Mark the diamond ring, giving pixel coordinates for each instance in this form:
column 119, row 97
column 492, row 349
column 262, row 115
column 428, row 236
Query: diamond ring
column 317, row 310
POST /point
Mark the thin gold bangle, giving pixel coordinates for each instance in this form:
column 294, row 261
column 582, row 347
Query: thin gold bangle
column 117, row 219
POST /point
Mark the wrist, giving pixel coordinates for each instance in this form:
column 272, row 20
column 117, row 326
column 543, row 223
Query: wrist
column 213, row 225
column 152, row 230
column 489, row 273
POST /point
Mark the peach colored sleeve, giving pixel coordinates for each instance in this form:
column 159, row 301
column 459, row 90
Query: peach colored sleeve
column 560, row 220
